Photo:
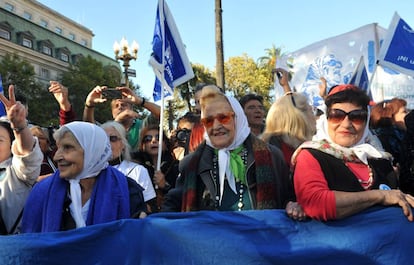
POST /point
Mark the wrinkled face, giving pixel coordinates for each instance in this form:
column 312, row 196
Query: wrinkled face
column 5, row 144
column 117, row 146
column 255, row 113
column 346, row 132
column 221, row 127
column 119, row 106
column 69, row 156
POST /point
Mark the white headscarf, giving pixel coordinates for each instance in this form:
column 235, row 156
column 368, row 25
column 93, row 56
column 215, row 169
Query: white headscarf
column 367, row 146
column 97, row 151
column 242, row 132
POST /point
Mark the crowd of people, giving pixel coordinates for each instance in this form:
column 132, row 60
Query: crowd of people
column 227, row 155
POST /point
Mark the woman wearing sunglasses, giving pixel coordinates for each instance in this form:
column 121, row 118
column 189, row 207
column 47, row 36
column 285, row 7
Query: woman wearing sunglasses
column 164, row 179
column 121, row 160
column 232, row 169
column 341, row 172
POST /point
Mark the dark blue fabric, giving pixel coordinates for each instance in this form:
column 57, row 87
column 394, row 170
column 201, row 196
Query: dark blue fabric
column 44, row 207
column 377, row 236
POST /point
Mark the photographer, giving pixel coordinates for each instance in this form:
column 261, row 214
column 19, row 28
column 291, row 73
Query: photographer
column 122, row 109
column 182, row 138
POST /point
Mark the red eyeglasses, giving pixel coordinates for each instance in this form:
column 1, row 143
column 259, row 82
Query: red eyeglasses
column 223, row 118
column 357, row 117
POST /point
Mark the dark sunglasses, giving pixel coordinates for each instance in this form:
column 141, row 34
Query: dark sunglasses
column 148, row 138
column 114, row 138
column 357, row 117
column 223, row 118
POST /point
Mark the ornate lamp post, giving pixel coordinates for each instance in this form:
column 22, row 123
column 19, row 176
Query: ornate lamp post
column 126, row 55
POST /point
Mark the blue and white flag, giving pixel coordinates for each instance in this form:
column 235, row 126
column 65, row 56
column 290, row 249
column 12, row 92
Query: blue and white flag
column 334, row 59
column 360, row 77
column 2, row 109
column 397, row 50
column 169, row 59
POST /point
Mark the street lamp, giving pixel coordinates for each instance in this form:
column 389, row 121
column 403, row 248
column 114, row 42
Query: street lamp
column 126, row 55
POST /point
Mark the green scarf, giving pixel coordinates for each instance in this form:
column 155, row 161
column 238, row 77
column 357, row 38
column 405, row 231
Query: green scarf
column 237, row 165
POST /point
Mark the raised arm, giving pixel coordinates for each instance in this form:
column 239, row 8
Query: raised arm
column 61, row 94
column 16, row 113
column 131, row 97
column 283, row 77
column 93, row 98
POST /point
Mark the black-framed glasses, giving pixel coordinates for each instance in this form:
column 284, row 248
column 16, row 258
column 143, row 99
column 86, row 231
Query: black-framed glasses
column 114, row 138
column 357, row 117
column 148, row 138
column 223, row 118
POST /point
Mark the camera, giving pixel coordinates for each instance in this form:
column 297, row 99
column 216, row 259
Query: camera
column 183, row 136
column 111, row 93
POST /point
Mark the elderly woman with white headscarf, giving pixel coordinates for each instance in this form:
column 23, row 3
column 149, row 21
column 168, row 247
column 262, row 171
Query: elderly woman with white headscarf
column 232, row 169
column 344, row 171
column 85, row 190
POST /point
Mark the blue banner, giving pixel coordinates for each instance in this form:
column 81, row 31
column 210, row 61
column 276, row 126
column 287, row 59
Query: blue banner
column 397, row 50
column 377, row 236
column 2, row 108
column 169, row 59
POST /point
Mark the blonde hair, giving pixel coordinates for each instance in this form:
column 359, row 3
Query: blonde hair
column 211, row 93
column 287, row 117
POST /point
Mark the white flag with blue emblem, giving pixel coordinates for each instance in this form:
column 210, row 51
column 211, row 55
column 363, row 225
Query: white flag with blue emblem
column 169, row 59
column 397, row 50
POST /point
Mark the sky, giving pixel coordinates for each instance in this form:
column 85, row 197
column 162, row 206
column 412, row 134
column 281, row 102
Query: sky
column 249, row 26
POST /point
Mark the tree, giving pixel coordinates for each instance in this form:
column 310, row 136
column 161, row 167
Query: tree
column 15, row 70
column 270, row 59
column 244, row 76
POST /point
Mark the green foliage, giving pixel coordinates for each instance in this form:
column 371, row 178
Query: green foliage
column 244, row 76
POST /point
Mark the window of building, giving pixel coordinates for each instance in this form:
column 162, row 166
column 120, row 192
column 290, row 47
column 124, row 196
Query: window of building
column 27, row 43
column 4, row 34
column 44, row 23
column 45, row 73
column 71, row 36
column 84, row 42
column 27, row 15
column 58, row 30
column 9, row 7
column 64, row 57
column 47, row 50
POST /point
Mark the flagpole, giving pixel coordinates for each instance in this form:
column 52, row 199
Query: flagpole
column 161, row 124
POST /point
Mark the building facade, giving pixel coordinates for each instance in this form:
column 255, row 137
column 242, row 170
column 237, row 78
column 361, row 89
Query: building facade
column 45, row 38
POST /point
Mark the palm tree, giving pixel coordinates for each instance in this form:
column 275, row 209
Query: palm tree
column 270, row 59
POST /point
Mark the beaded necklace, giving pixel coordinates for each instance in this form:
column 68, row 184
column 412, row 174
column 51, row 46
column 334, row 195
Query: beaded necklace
column 241, row 190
